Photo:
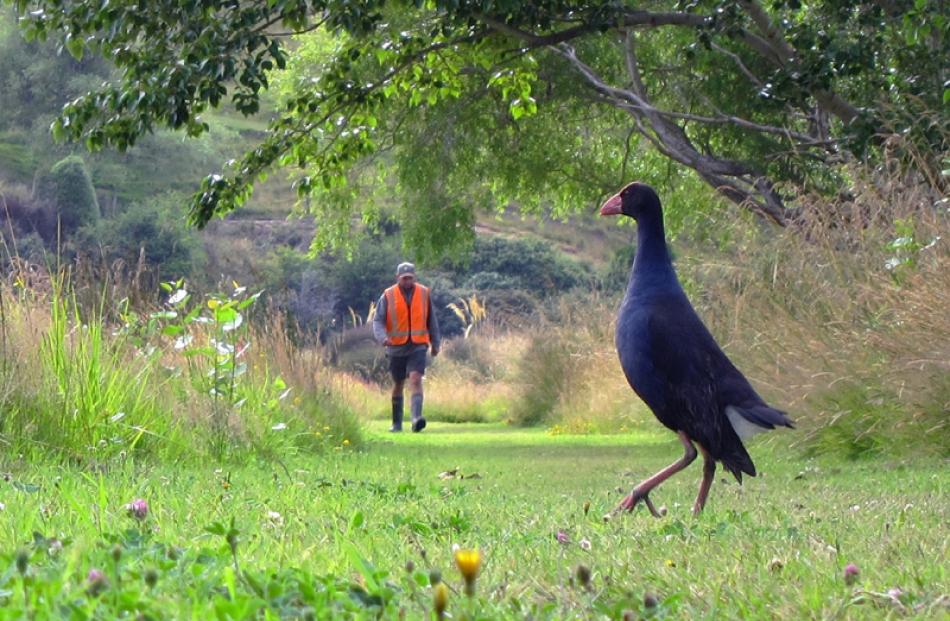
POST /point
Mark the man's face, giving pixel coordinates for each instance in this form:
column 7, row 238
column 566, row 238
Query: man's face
column 406, row 281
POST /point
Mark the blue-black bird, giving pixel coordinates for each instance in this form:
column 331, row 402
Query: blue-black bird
column 673, row 363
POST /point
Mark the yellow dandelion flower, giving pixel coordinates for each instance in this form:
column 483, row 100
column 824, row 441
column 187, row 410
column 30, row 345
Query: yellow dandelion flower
column 670, row 562
column 468, row 562
column 213, row 303
column 346, row 442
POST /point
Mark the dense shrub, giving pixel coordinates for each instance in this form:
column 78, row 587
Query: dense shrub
column 155, row 229
column 23, row 223
column 485, row 281
column 618, row 271
column 474, row 355
column 324, row 292
column 359, row 280
column 297, row 287
column 68, row 189
column 530, row 265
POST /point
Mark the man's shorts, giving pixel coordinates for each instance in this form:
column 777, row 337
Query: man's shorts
column 401, row 366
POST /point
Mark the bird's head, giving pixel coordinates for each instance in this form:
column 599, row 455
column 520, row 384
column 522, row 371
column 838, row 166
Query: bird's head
column 634, row 200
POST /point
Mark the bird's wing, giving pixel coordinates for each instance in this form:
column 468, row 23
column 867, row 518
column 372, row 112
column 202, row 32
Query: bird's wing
column 685, row 359
column 698, row 381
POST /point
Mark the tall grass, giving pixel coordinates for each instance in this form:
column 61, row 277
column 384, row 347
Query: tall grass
column 92, row 384
column 70, row 386
column 470, row 380
column 569, row 376
column 96, row 388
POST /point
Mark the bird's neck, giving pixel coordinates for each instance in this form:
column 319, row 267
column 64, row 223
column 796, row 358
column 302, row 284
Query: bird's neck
column 652, row 266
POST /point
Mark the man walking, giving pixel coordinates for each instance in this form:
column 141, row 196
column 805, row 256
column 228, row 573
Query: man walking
column 406, row 325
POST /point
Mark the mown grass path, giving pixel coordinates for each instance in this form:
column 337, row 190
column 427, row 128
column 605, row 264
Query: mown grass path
column 350, row 521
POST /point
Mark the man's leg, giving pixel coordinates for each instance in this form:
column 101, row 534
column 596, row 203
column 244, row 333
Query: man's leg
column 397, row 365
column 416, row 369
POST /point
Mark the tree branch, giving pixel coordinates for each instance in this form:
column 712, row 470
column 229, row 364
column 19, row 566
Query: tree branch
column 291, row 33
column 734, row 180
column 627, row 20
column 738, row 61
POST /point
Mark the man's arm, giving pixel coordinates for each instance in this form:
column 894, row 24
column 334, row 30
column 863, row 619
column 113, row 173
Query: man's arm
column 379, row 321
column 435, row 336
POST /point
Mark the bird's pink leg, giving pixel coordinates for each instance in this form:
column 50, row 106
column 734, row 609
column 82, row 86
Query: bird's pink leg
column 642, row 491
column 709, row 470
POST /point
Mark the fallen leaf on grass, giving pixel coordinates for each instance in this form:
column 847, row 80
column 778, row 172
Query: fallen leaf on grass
column 455, row 473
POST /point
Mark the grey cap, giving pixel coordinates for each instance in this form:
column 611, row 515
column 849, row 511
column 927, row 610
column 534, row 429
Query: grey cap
column 405, row 268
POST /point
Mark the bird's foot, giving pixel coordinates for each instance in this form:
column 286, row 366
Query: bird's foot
column 629, row 503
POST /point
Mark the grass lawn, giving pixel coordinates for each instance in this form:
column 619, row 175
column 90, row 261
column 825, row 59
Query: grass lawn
column 330, row 537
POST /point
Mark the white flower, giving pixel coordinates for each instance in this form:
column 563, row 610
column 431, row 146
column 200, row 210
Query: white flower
column 584, row 544
column 177, row 297
column 279, row 427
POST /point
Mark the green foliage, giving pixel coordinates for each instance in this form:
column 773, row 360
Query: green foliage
column 545, row 95
column 68, row 188
column 36, row 79
column 164, row 162
column 905, row 248
column 16, row 159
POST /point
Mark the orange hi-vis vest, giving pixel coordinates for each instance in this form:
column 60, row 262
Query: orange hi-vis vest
column 404, row 323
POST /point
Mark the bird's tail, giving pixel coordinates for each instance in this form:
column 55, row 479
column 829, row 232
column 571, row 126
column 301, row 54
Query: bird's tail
column 736, row 459
column 750, row 420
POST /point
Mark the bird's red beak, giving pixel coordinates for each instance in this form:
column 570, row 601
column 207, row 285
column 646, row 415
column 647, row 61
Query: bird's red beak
column 613, row 206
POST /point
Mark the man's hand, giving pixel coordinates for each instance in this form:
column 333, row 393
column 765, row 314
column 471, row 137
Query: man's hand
column 435, row 351
column 387, row 342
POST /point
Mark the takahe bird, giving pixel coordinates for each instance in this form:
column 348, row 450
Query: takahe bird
column 673, row 363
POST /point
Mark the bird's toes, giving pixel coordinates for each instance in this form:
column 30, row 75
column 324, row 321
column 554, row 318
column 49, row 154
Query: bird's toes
column 628, row 504
column 657, row 513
